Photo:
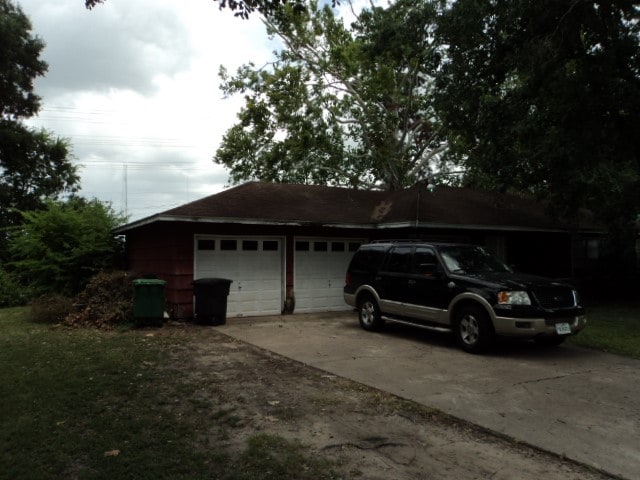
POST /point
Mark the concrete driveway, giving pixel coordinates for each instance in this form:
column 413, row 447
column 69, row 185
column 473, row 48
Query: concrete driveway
column 579, row 403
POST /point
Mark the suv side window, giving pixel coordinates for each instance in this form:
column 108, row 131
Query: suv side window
column 398, row 260
column 425, row 262
column 367, row 260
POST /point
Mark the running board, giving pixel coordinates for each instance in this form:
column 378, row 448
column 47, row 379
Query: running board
column 411, row 324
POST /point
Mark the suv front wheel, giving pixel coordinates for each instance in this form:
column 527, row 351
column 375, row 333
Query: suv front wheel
column 369, row 314
column 472, row 329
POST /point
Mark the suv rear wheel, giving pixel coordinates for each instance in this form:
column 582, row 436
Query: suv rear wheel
column 472, row 329
column 369, row 314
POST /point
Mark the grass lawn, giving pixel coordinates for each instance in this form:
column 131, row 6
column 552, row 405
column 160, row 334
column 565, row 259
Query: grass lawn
column 614, row 329
column 89, row 404
column 92, row 404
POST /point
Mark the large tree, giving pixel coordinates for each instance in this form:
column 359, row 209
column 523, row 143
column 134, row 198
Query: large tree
column 342, row 106
column 34, row 164
column 543, row 96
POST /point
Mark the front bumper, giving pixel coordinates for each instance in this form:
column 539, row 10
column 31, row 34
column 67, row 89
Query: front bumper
column 532, row 327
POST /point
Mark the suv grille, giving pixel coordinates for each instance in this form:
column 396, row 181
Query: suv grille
column 555, row 297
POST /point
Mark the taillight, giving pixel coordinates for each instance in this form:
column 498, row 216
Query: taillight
column 347, row 280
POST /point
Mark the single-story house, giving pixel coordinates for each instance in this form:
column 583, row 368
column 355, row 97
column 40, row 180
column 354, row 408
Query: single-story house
column 286, row 247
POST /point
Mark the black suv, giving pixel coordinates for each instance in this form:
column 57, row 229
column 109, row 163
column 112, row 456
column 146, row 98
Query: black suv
column 461, row 289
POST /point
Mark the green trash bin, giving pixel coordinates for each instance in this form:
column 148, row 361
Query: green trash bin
column 148, row 302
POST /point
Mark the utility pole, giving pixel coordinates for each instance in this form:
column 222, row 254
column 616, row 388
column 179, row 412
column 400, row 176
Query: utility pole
column 125, row 192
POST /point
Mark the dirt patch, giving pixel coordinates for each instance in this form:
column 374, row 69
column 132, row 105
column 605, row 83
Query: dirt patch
column 243, row 390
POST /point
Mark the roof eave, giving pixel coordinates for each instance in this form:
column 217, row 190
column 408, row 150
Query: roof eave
column 356, row 226
column 236, row 220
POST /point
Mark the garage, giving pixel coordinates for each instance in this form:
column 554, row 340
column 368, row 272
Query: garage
column 253, row 264
column 320, row 268
column 286, row 247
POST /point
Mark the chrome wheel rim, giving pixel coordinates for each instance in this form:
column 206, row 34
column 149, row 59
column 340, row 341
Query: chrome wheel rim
column 469, row 330
column 367, row 313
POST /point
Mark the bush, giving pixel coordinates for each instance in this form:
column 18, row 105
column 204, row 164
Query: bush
column 106, row 301
column 12, row 293
column 51, row 308
column 59, row 249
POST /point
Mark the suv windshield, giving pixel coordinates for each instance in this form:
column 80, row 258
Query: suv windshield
column 471, row 260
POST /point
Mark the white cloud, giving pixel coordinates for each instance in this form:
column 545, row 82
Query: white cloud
column 134, row 86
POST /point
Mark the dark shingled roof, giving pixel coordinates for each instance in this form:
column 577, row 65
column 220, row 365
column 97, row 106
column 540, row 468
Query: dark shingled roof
column 279, row 203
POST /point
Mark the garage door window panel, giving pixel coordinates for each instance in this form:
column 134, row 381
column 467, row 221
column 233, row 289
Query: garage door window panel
column 270, row 245
column 228, row 245
column 206, row 244
column 250, row 245
column 320, row 246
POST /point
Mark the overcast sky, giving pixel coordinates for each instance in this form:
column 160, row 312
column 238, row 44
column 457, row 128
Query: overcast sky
column 133, row 84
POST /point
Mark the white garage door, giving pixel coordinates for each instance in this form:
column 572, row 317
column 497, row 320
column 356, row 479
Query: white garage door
column 254, row 265
column 320, row 268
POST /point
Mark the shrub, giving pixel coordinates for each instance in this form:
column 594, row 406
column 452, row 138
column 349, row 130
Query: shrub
column 11, row 292
column 59, row 249
column 106, row 301
column 50, row 308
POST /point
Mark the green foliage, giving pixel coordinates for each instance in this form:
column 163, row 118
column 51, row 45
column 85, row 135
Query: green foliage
column 339, row 106
column 50, row 308
column 34, row 165
column 543, row 96
column 11, row 292
column 19, row 63
column 59, row 249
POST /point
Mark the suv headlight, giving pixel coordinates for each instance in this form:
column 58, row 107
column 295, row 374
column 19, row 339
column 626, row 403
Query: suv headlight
column 518, row 297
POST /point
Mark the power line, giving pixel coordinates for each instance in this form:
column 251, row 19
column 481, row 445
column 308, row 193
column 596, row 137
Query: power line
column 109, row 117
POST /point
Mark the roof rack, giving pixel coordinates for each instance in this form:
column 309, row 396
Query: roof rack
column 400, row 240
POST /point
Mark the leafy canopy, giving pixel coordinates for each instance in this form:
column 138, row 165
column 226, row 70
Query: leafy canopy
column 58, row 249
column 340, row 106
column 34, row 165
column 20, row 63
column 543, row 96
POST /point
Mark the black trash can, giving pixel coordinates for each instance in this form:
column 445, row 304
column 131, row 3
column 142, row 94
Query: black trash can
column 211, row 300
column 148, row 302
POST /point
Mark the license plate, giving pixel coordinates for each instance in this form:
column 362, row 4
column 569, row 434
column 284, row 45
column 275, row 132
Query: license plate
column 563, row 329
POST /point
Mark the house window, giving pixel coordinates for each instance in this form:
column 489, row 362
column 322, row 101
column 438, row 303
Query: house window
column 353, row 246
column 320, row 246
column 302, row 246
column 206, row 244
column 228, row 244
column 337, row 246
column 250, row 245
column 270, row 245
